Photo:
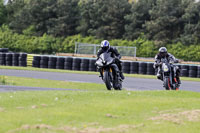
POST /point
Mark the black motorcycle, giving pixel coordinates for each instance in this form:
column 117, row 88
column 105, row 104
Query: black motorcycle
column 168, row 73
column 109, row 71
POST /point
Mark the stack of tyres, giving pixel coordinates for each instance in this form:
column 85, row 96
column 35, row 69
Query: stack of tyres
column 68, row 63
column 76, row 65
column 9, row 59
column 84, row 65
column 179, row 66
column 184, row 70
column 193, row 71
column 142, row 68
column 198, row 72
column 92, row 66
column 15, row 59
column 60, row 63
column 150, row 69
column 52, row 62
column 126, row 67
column 44, row 62
column 2, row 58
column 23, row 59
column 134, row 67
column 36, row 61
column 4, row 50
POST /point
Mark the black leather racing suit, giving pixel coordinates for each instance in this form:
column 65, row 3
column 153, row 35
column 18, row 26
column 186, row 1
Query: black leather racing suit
column 157, row 67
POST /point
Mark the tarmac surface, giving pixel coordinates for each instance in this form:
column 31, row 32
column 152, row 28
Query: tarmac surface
column 130, row 83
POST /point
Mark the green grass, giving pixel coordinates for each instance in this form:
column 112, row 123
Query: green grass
column 95, row 73
column 3, row 80
column 31, row 82
column 100, row 111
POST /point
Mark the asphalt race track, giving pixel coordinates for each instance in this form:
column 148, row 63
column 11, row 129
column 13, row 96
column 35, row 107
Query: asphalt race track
column 129, row 82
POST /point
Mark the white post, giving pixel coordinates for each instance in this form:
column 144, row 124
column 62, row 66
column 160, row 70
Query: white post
column 135, row 52
column 95, row 49
column 75, row 51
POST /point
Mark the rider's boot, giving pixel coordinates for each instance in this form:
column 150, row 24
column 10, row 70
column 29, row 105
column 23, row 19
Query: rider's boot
column 121, row 75
column 159, row 74
column 178, row 80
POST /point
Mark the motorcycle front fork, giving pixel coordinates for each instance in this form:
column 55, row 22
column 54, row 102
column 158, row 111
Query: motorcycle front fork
column 101, row 71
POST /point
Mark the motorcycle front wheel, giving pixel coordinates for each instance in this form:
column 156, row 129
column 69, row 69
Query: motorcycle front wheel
column 167, row 83
column 107, row 81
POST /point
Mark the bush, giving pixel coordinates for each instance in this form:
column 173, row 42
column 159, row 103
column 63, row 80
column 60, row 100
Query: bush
column 47, row 44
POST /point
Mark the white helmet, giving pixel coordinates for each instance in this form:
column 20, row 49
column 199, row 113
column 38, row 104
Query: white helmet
column 105, row 45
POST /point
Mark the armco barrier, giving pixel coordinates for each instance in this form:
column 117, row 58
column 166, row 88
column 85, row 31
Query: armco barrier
column 85, row 64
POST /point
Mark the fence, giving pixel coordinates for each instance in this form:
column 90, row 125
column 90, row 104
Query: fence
column 84, row 48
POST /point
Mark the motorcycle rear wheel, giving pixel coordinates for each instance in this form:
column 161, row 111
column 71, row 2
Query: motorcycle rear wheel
column 117, row 85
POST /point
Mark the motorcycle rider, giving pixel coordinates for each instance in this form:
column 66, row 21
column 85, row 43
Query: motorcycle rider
column 158, row 64
column 105, row 47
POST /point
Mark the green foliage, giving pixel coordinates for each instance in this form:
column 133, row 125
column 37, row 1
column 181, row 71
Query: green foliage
column 189, row 53
column 104, row 19
column 14, row 7
column 161, row 21
column 2, row 13
column 57, row 18
column 47, row 44
column 26, row 43
column 191, row 34
column 3, row 80
column 166, row 23
column 137, row 18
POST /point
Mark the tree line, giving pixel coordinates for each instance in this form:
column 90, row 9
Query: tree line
column 47, row 26
column 163, row 21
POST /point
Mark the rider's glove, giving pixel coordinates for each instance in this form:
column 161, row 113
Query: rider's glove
column 157, row 64
column 117, row 58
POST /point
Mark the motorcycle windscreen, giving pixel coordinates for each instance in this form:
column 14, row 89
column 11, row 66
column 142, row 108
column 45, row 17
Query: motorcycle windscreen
column 99, row 62
column 106, row 57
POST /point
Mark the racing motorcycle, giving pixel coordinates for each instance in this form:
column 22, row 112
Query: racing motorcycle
column 109, row 71
column 168, row 73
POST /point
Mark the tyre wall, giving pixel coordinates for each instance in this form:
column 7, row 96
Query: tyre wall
column 88, row 64
column 12, row 59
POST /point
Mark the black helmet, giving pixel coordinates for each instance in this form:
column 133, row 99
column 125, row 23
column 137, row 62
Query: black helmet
column 163, row 52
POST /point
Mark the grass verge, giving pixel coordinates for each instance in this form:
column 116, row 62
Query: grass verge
column 84, row 72
column 100, row 112
column 31, row 82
